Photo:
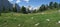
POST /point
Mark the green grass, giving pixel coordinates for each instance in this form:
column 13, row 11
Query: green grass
column 25, row 20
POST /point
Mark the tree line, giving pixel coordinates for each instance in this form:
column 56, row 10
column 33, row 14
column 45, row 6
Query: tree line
column 43, row 7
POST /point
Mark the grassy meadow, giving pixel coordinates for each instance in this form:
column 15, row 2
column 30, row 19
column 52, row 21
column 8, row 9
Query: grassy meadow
column 48, row 18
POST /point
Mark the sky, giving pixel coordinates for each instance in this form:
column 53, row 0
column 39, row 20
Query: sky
column 33, row 3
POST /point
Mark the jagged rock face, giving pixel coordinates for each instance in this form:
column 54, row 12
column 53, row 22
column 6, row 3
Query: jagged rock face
column 6, row 4
column 0, row 5
column 18, row 7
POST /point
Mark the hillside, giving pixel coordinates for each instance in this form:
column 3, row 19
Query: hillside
column 30, row 20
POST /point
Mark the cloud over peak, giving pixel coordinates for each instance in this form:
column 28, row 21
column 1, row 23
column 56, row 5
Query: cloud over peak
column 26, row 1
column 10, row 0
column 18, row 1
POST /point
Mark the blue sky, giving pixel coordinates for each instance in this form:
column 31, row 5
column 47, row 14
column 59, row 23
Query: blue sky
column 33, row 3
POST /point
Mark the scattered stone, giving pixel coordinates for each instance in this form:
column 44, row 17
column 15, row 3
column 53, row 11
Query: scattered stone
column 42, row 13
column 19, row 25
column 58, row 10
column 58, row 21
column 48, row 19
column 37, row 24
column 31, row 17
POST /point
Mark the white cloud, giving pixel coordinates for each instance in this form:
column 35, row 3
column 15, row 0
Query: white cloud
column 10, row 0
column 18, row 1
column 26, row 1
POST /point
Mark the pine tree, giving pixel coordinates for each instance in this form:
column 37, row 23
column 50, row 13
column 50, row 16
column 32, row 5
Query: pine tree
column 42, row 8
column 23, row 9
column 51, row 5
column 59, row 5
column 55, row 5
column 14, row 9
